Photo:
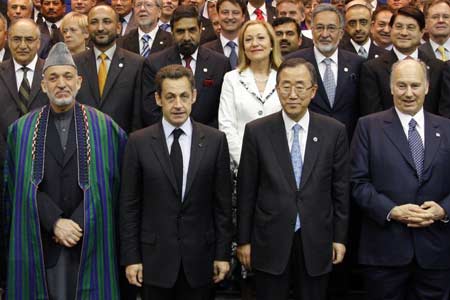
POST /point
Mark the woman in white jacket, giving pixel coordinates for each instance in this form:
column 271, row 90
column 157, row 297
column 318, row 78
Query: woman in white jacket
column 248, row 92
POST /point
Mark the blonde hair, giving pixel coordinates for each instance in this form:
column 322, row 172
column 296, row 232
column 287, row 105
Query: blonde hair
column 80, row 19
column 275, row 57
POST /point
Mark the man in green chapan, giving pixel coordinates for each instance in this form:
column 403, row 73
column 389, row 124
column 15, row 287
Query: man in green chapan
column 61, row 193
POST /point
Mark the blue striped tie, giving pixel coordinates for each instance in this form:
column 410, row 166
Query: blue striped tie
column 297, row 164
column 416, row 146
column 145, row 46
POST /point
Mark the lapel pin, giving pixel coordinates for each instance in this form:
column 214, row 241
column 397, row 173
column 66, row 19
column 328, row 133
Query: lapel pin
column 161, row 42
column 438, row 134
column 376, row 55
column 315, row 139
column 205, row 70
column 345, row 69
column 120, row 65
column 428, row 67
column 200, row 145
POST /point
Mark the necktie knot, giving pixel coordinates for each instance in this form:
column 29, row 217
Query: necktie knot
column 259, row 14
column 164, row 26
column 187, row 60
column 53, row 26
column 362, row 52
column 146, row 38
column 103, row 56
column 327, row 61
column 296, row 128
column 25, row 70
column 177, row 133
column 412, row 124
column 231, row 44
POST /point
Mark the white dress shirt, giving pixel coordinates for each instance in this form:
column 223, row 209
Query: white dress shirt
column 226, row 49
column 109, row 53
column 357, row 46
column 19, row 73
column 185, row 141
column 2, row 54
column 127, row 21
column 251, row 11
column 402, row 56
column 303, row 133
column 436, row 52
column 152, row 35
column 334, row 65
column 241, row 102
column 193, row 63
column 418, row 117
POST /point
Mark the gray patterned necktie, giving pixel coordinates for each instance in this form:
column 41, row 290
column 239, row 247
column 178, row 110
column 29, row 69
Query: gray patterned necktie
column 416, row 146
column 362, row 52
column 328, row 81
column 297, row 163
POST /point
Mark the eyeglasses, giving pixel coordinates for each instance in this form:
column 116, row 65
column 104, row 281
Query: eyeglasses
column 330, row 28
column 146, row 5
column 26, row 39
column 285, row 90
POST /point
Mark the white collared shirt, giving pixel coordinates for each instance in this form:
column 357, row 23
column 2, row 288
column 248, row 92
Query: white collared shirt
column 109, row 53
column 251, row 11
column 436, row 52
column 226, row 49
column 303, row 133
column 2, row 54
column 402, row 56
column 19, row 73
column 193, row 63
column 49, row 25
column 152, row 35
column 358, row 46
column 127, row 21
column 418, row 117
column 334, row 65
column 185, row 141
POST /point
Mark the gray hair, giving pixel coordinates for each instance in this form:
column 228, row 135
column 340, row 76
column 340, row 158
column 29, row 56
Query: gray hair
column 399, row 64
column 327, row 7
column 30, row 3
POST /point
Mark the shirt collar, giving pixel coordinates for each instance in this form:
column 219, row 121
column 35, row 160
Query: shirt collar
column 224, row 41
column 402, row 56
column 193, row 55
column 152, row 33
column 169, row 128
column 358, row 46
column 435, row 45
column 289, row 123
column 128, row 17
column 110, row 52
column 2, row 53
column 320, row 57
column 31, row 65
column 49, row 24
column 251, row 9
column 419, row 117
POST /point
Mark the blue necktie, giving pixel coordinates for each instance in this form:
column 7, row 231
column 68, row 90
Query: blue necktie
column 416, row 146
column 233, row 56
column 165, row 26
column 297, row 164
column 145, row 45
column 328, row 81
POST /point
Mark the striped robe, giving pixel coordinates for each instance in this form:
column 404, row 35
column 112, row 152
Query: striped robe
column 100, row 145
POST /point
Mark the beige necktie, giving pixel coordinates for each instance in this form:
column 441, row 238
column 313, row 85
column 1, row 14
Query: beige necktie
column 102, row 73
column 441, row 50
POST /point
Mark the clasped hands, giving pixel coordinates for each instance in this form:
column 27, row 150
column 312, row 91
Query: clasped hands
column 416, row 216
column 67, row 232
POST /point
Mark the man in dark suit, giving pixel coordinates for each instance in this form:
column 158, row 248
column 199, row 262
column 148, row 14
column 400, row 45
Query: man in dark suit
column 231, row 18
column 338, row 92
column 400, row 163
column 53, row 11
column 438, row 28
column 147, row 37
column 208, row 67
column 111, row 84
column 175, row 214
column 124, row 8
column 357, row 19
column 407, row 28
column 289, row 35
column 380, row 30
column 259, row 10
column 284, row 234
column 4, row 51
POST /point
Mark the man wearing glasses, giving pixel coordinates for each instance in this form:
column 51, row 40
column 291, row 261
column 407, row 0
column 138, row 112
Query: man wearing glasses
column 293, row 192
column 338, row 84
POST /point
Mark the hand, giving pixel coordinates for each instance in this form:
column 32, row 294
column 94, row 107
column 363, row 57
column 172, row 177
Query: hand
column 412, row 215
column 221, row 269
column 243, row 254
column 338, row 253
column 134, row 274
column 67, row 232
column 436, row 211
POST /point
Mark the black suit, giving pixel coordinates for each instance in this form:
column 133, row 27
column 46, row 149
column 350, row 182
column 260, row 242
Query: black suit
column 159, row 230
column 130, row 41
column 207, row 31
column 268, row 198
column 374, row 50
column 346, row 100
column 209, row 72
column 376, row 93
column 123, row 89
column 306, row 43
column 426, row 48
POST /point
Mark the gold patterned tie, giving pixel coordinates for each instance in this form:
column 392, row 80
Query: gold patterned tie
column 102, row 73
column 441, row 50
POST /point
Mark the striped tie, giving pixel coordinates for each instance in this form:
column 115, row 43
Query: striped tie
column 24, row 91
column 145, row 46
column 416, row 146
column 328, row 81
column 102, row 73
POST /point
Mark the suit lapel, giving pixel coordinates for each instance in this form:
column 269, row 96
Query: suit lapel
column 321, row 101
column 90, row 63
column 116, row 66
column 201, row 68
column 345, row 71
column 281, row 149
column 9, row 76
column 313, row 144
column 71, row 143
column 134, row 41
column 433, row 140
column 37, row 78
column 394, row 131
column 198, row 147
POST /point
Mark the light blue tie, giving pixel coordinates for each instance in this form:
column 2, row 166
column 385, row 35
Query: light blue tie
column 165, row 27
column 233, row 56
column 297, row 164
column 328, row 81
column 416, row 146
column 145, row 46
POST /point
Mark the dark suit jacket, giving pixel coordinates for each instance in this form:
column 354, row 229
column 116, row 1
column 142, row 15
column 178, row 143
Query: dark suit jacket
column 384, row 176
column 271, row 14
column 426, row 48
column 130, row 41
column 121, row 97
column 47, row 41
column 374, row 50
column 346, row 100
column 209, row 72
column 207, row 31
column 215, row 45
column 306, row 43
column 59, row 194
column 376, row 92
column 268, row 199
column 132, row 24
column 159, row 230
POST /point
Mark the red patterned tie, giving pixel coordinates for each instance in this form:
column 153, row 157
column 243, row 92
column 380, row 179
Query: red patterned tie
column 259, row 14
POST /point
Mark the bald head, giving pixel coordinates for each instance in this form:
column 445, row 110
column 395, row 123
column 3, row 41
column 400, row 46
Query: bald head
column 104, row 27
column 24, row 40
